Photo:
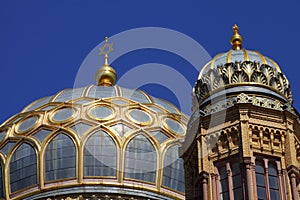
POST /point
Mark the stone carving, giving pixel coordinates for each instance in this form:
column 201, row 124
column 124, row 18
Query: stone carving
column 244, row 98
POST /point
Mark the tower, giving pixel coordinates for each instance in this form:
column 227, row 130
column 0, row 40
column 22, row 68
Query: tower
column 243, row 137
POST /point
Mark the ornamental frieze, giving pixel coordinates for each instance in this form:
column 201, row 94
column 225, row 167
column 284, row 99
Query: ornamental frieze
column 242, row 73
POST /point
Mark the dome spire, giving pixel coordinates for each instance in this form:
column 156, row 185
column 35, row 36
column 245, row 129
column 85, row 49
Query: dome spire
column 236, row 39
column 106, row 75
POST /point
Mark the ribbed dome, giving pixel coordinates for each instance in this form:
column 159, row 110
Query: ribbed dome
column 241, row 76
column 95, row 139
column 234, row 56
column 240, row 68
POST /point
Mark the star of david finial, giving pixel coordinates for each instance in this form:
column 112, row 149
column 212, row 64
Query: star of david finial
column 105, row 50
column 106, row 75
column 235, row 28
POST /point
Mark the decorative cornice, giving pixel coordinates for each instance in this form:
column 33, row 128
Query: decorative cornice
column 243, row 98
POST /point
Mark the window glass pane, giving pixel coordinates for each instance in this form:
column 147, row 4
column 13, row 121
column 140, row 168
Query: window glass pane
column 259, row 167
column 225, row 196
column 160, row 136
column 165, row 105
column 261, row 193
column 173, row 176
column 139, row 115
column 235, row 168
column 101, row 112
column 41, row 134
column 60, row 158
column 101, row 92
column 135, row 95
column 237, row 181
column 174, row 126
column 273, row 182
column 274, row 194
column 63, row 114
column 70, row 94
column 140, row 159
column 80, row 128
column 272, row 169
column 7, row 147
column 100, row 155
column 222, row 172
column 27, row 124
column 121, row 128
column 23, row 168
column 224, row 185
column 238, row 194
column 260, row 179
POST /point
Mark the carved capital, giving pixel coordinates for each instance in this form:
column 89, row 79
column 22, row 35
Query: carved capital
column 292, row 171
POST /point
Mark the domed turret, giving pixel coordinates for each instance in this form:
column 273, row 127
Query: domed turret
column 242, row 140
column 240, row 70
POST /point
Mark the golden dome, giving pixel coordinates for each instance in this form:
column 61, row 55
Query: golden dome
column 244, row 70
column 105, row 140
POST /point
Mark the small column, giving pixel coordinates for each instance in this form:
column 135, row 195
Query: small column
column 217, row 183
column 254, row 180
column 247, row 163
column 280, row 181
column 266, row 162
column 284, row 182
column 214, row 186
column 204, row 181
column 293, row 179
column 230, row 183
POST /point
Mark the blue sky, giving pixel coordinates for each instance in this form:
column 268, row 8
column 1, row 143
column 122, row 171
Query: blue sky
column 43, row 43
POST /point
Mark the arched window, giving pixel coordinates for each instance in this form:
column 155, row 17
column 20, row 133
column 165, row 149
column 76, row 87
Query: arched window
column 60, row 158
column 260, row 180
column 273, row 181
column 23, row 168
column 173, row 176
column 100, row 155
column 267, row 179
column 229, row 181
column 140, row 159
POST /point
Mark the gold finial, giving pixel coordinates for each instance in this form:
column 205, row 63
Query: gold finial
column 236, row 39
column 106, row 75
